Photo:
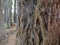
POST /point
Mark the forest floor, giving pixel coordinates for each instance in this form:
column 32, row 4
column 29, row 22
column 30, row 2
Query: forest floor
column 11, row 37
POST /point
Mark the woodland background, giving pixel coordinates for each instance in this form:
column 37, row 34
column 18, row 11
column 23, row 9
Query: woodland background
column 29, row 22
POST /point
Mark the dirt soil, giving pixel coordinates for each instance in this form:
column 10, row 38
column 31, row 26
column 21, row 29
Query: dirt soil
column 11, row 37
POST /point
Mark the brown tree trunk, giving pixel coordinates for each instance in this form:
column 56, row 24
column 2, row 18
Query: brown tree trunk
column 53, row 24
column 38, row 22
column 32, row 30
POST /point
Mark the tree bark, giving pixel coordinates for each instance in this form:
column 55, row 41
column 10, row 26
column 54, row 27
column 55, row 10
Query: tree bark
column 31, row 28
column 39, row 22
column 2, row 29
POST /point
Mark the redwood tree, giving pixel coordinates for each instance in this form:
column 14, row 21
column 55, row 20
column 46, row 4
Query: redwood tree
column 39, row 22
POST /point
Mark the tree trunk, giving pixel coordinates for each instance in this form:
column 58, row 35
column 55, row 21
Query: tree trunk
column 53, row 23
column 39, row 22
column 31, row 28
column 15, row 11
column 2, row 29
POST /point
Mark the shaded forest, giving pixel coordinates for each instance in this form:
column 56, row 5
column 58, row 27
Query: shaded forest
column 30, row 22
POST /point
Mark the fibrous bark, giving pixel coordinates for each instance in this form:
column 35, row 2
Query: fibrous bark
column 39, row 22
column 53, row 23
column 32, row 30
